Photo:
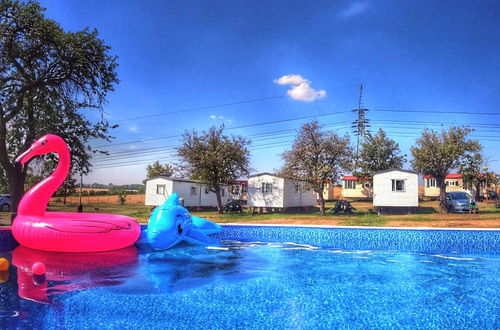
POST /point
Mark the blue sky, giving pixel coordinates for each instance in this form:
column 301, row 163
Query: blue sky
column 194, row 64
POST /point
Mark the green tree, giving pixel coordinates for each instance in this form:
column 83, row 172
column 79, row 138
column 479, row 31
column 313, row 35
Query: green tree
column 474, row 170
column 317, row 157
column 214, row 159
column 47, row 77
column 157, row 169
column 67, row 188
column 378, row 153
column 437, row 153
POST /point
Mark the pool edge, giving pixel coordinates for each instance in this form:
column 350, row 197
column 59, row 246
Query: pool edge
column 355, row 227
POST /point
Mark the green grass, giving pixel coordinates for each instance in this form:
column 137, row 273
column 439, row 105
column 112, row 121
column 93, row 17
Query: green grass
column 364, row 220
column 362, row 215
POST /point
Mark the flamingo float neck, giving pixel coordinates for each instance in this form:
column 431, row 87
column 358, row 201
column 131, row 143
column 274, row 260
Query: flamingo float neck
column 35, row 200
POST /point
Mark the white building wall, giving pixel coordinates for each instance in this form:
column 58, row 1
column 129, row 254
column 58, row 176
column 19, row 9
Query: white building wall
column 383, row 194
column 256, row 198
column 195, row 194
column 294, row 198
column 152, row 197
column 192, row 198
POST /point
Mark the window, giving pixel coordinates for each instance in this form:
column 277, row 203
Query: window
column 350, row 184
column 244, row 188
column 222, row 192
column 194, row 191
column 297, row 189
column 160, row 189
column 235, row 189
column 430, row 182
column 267, row 187
column 398, row 185
column 207, row 191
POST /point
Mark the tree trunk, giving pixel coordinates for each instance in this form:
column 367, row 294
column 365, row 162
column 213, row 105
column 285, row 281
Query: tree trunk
column 442, row 194
column 479, row 195
column 321, row 204
column 219, row 201
column 16, row 179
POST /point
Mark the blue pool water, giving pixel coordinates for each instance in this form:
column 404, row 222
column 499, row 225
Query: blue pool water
column 267, row 277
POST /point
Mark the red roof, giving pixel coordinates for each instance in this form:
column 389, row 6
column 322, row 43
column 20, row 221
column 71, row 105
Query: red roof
column 242, row 182
column 350, row 177
column 448, row 176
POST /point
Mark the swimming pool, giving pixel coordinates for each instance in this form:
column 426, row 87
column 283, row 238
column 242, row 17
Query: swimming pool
column 268, row 277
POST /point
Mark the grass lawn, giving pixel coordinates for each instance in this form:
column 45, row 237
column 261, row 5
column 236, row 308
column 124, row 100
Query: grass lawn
column 488, row 217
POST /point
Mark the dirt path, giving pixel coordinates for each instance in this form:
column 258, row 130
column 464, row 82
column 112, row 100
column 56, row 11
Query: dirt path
column 436, row 221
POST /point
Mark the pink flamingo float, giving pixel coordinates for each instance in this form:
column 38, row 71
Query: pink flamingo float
column 65, row 231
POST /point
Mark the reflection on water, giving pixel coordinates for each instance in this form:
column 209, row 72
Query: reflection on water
column 186, row 267
column 240, row 284
column 126, row 271
column 70, row 271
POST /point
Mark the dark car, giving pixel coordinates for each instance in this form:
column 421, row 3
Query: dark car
column 5, row 203
column 459, row 202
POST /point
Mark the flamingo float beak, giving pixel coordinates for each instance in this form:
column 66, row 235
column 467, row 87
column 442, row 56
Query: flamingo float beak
column 25, row 156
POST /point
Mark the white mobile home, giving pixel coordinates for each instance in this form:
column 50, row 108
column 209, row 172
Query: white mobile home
column 272, row 191
column 395, row 191
column 354, row 189
column 192, row 192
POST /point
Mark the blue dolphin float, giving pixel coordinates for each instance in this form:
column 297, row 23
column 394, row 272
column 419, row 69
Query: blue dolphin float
column 170, row 223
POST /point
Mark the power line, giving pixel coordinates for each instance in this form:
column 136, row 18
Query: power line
column 215, row 106
column 258, row 137
column 412, row 122
column 230, row 128
column 441, row 112
column 203, row 108
column 124, row 157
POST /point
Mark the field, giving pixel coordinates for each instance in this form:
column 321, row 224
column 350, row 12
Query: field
column 488, row 217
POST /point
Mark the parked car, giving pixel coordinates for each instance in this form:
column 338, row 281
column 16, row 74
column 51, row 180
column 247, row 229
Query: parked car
column 459, row 202
column 5, row 203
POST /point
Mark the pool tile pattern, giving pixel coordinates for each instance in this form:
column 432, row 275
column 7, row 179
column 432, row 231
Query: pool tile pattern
column 7, row 241
column 413, row 240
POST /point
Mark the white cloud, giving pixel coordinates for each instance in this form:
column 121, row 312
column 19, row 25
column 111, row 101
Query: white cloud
column 301, row 89
column 133, row 128
column 304, row 92
column 222, row 119
column 291, row 79
column 354, row 9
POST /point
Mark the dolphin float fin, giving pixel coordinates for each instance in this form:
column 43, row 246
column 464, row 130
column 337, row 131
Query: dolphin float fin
column 205, row 226
column 172, row 200
column 197, row 237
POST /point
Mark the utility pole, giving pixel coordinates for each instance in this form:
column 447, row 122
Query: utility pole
column 361, row 124
column 80, row 206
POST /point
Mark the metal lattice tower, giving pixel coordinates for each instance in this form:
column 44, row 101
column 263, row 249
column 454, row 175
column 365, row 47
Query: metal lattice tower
column 360, row 125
